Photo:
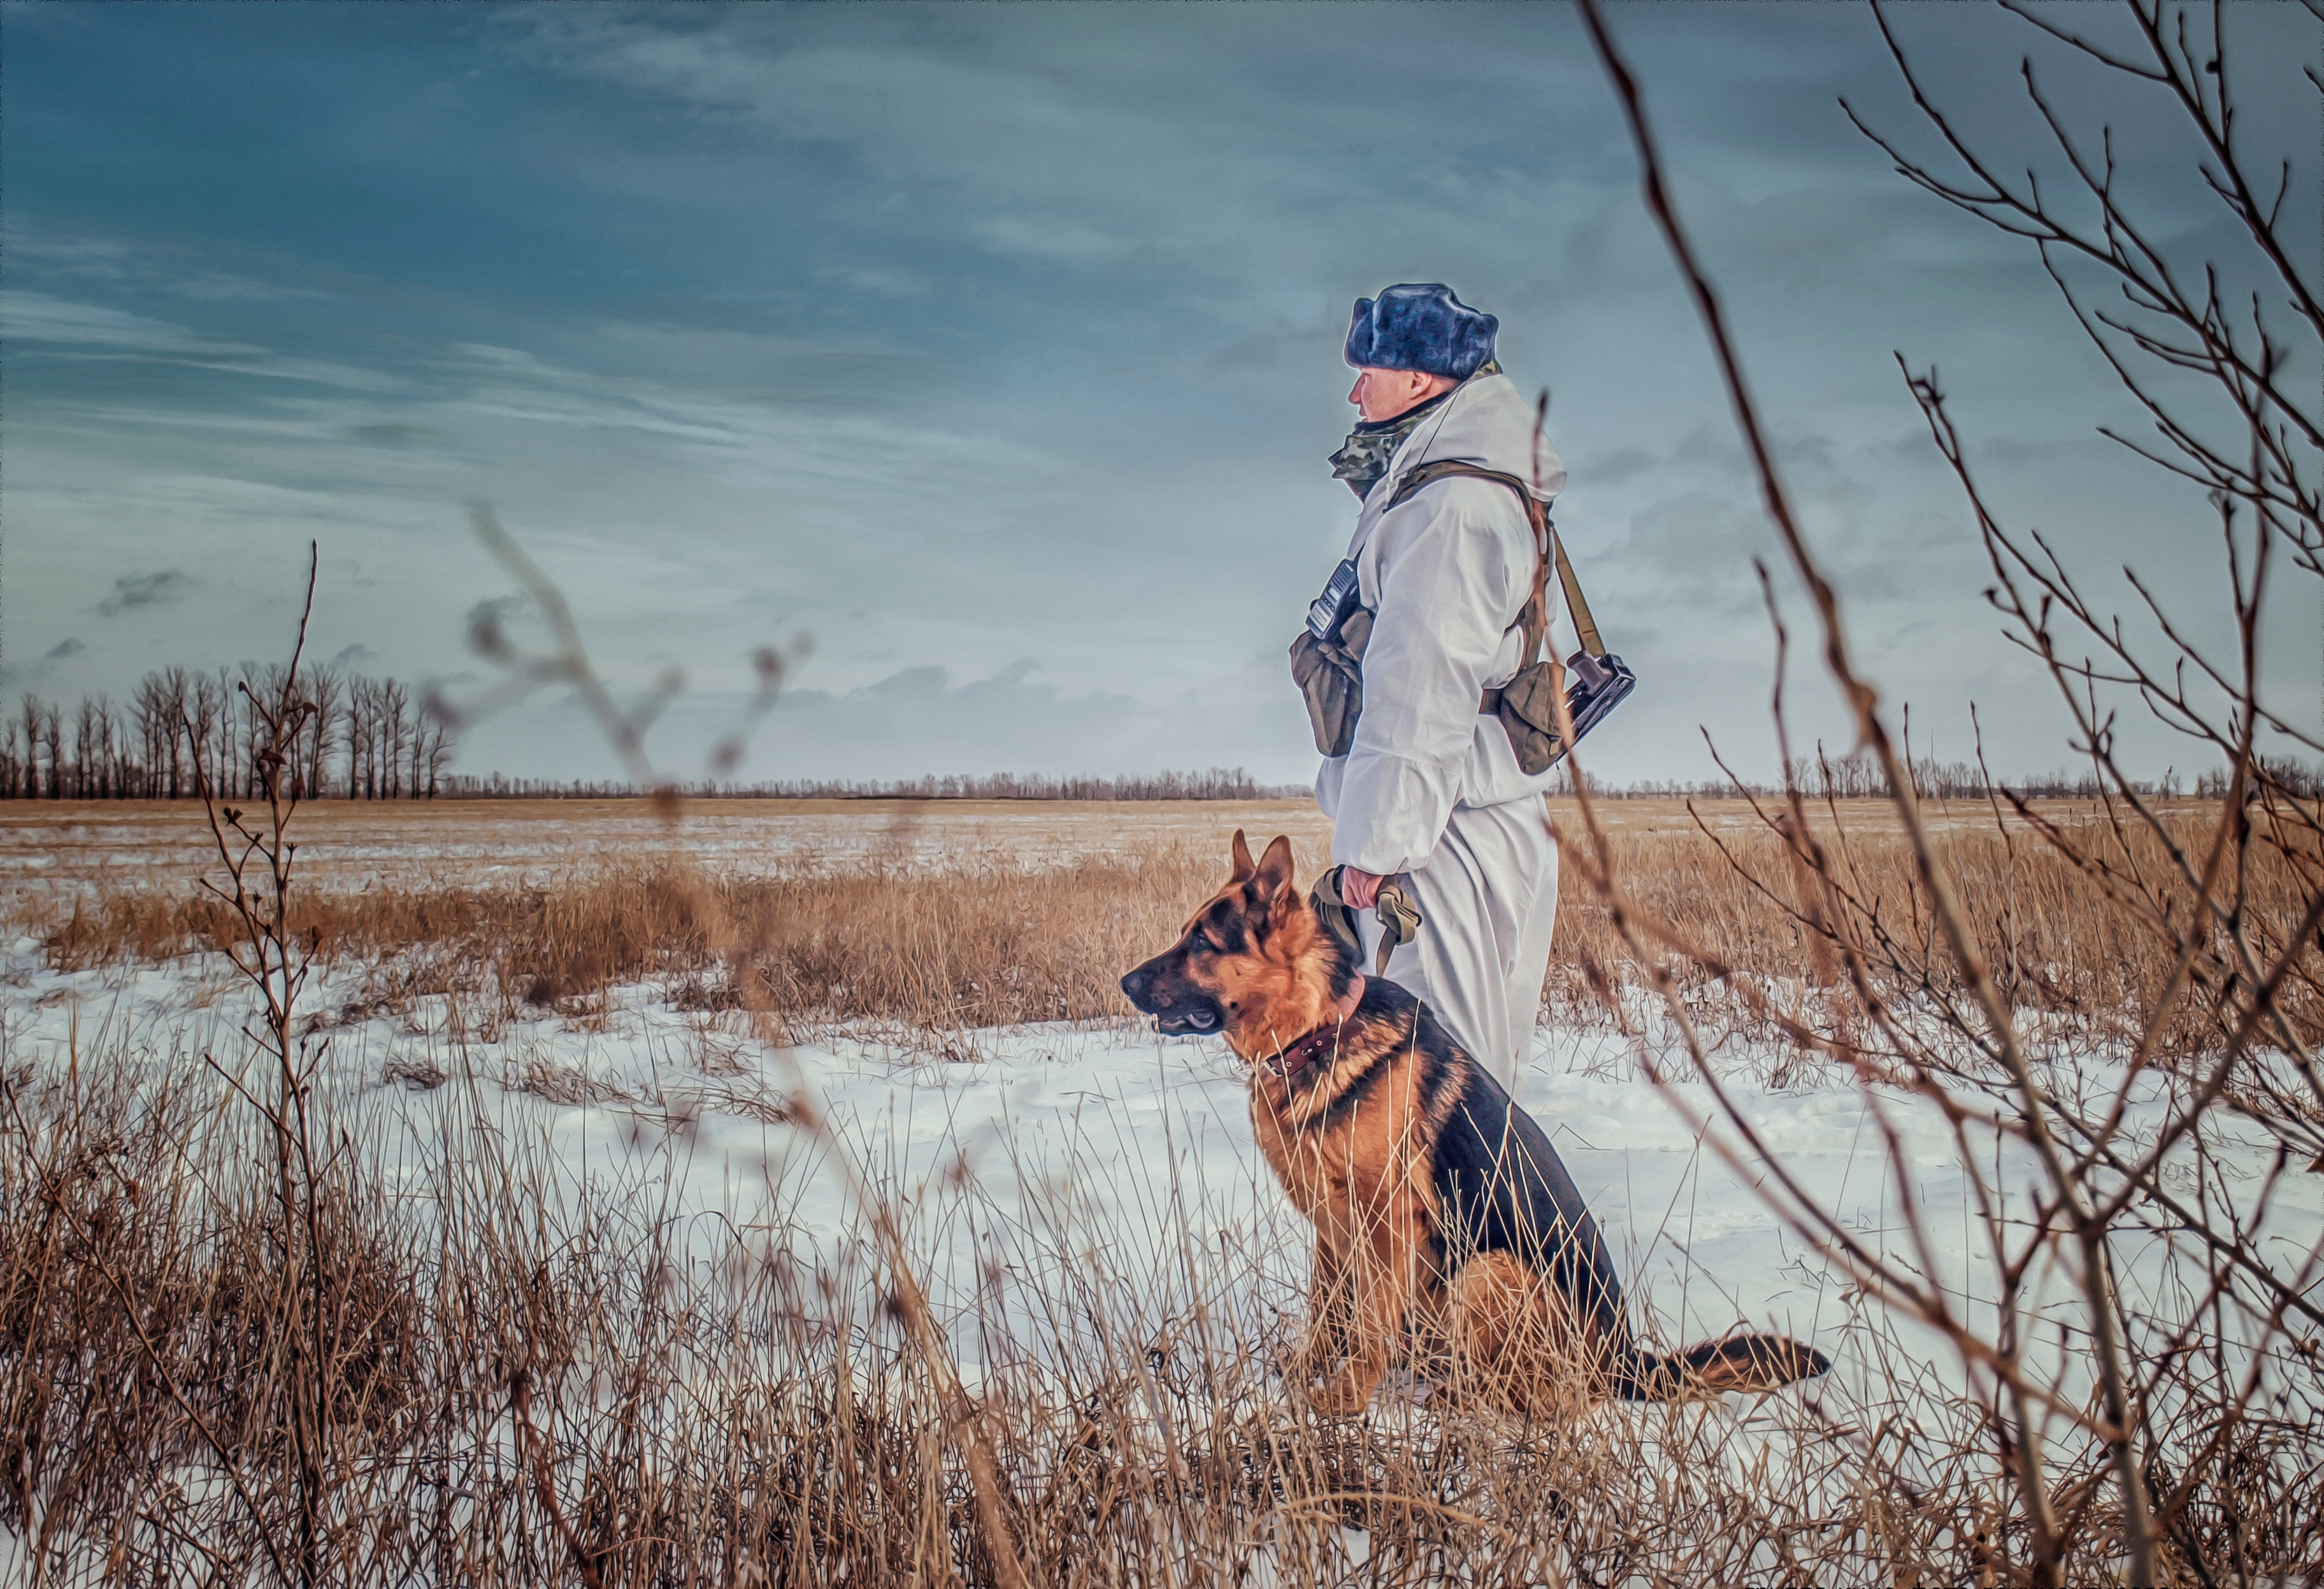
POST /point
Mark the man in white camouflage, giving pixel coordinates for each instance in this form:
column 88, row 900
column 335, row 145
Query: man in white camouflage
column 1430, row 791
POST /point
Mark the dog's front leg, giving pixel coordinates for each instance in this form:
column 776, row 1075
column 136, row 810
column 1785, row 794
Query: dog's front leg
column 1328, row 1307
column 1385, row 1278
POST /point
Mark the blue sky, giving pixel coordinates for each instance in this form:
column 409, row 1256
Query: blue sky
column 996, row 349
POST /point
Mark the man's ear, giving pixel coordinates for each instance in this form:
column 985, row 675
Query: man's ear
column 1273, row 877
column 1244, row 870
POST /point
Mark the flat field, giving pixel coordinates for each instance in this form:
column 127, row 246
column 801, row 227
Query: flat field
column 356, row 844
column 49, row 845
column 966, row 915
column 641, row 1127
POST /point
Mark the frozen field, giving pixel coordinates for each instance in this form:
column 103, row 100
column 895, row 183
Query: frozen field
column 1076, row 1199
column 46, row 847
column 994, row 1143
column 1110, row 1123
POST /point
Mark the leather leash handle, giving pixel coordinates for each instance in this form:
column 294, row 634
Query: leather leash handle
column 1337, row 919
column 1400, row 919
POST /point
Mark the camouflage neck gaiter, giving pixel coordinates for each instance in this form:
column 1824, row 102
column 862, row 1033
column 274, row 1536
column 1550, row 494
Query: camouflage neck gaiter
column 1364, row 458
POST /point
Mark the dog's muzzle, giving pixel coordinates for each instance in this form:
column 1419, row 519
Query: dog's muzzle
column 1175, row 1017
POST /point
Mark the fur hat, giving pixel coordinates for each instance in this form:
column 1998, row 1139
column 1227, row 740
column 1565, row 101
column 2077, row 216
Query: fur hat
column 1420, row 326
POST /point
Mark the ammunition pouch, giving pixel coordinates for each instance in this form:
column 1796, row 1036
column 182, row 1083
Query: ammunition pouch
column 1528, row 707
column 1330, row 674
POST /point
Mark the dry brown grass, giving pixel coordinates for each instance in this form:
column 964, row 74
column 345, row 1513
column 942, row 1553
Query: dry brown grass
column 530, row 1382
column 537, row 1388
column 2071, row 946
column 997, row 943
column 995, row 937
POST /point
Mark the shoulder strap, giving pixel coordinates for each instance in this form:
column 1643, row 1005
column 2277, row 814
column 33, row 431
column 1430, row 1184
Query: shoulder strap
column 1535, row 620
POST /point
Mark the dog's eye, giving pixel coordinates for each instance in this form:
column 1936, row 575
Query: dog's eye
column 1203, row 940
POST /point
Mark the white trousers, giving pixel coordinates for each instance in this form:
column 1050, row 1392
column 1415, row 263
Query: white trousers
column 1488, row 900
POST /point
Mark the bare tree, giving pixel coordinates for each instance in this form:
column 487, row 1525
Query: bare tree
column 53, row 731
column 202, row 709
column 395, row 699
column 34, row 716
column 358, row 732
column 325, row 692
column 160, row 707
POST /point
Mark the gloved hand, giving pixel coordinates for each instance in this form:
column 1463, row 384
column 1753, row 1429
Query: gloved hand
column 1359, row 889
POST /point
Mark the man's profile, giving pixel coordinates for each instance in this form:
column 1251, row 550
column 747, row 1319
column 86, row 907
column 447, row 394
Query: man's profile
column 1419, row 778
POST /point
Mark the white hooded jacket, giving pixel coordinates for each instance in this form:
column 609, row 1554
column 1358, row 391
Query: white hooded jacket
column 1445, row 575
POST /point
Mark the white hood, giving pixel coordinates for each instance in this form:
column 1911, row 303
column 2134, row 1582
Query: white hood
column 1487, row 423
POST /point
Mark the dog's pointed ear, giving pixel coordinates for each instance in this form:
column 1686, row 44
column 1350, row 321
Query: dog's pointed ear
column 1273, row 878
column 1245, row 868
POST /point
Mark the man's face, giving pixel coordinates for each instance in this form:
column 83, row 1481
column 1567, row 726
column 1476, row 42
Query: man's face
column 1382, row 394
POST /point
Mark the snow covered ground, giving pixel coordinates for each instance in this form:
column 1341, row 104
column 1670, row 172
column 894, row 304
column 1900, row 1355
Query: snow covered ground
column 1013, row 1158
column 1033, row 1139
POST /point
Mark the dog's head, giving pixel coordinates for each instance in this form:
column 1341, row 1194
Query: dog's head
column 1253, row 966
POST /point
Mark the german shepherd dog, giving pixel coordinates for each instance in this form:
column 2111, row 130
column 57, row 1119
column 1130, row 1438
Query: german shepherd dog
column 1439, row 1205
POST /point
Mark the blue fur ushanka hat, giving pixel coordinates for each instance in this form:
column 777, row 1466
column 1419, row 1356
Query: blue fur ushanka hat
column 1420, row 326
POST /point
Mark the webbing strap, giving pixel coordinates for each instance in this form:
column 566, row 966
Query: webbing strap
column 1576, row 603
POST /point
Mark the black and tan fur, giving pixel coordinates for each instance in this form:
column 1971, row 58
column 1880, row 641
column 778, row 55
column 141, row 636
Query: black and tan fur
column 1441, row 1211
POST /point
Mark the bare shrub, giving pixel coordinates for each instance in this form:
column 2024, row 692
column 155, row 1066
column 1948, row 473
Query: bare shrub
column 2172, row 1431
column 142, row 1347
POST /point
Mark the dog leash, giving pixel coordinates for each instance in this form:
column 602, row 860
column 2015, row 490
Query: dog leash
column 1400, row 917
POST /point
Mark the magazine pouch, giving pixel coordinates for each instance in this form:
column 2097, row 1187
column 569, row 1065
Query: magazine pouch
column 1330, row 673
column 1527, row 709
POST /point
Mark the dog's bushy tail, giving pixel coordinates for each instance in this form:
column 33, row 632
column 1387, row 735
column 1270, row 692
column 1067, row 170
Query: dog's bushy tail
column 1739, row 1362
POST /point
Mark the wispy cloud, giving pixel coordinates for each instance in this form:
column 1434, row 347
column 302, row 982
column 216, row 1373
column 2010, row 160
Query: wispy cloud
column 119, row 266
column 132, row 591
column 100, row 332
column 30, row 316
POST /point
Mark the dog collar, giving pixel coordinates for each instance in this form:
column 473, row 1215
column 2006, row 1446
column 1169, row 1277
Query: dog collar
column 1290, row 1061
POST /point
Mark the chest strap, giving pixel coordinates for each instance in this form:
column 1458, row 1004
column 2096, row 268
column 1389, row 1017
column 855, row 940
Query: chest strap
column 1534, row 621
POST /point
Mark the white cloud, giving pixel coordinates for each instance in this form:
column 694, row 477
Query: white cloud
column 117, row 266
column 28, row 316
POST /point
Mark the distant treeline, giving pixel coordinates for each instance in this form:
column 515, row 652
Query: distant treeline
column 1856, row 777
column 369, row 739
column 1219, row 783
column 1848, row 780
column 181, row 730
